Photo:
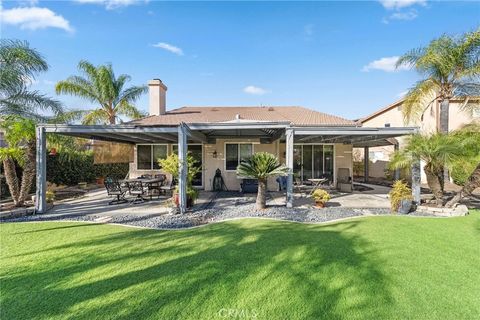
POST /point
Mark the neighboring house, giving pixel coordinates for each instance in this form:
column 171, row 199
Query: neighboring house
column 391, row 116
column 313, row 144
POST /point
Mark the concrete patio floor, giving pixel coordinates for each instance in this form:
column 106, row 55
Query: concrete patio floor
column 95, row 203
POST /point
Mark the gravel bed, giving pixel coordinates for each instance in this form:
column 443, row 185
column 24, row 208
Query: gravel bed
column 237, row 206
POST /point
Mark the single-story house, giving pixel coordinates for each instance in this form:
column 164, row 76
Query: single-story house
column 312, row 143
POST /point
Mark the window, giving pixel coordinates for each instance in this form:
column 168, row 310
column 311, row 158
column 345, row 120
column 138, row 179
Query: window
column 148, row 155
column 236, row 153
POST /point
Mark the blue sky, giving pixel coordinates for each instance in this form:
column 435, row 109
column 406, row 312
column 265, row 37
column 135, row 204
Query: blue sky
column 334, row 57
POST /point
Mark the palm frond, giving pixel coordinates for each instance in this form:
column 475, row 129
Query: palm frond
column 261, row 165
column 419, row 99
column 129, row 110
column 97, row 116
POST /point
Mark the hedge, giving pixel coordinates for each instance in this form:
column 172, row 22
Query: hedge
column 73, row 167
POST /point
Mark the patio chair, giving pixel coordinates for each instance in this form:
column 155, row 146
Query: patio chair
column 155, row 188
column 114, row 189
column 282, row 182
column 136, row 188
column 344, row 180
column 168, row 186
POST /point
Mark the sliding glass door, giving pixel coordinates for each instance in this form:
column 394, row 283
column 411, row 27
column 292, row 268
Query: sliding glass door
column 313, row 161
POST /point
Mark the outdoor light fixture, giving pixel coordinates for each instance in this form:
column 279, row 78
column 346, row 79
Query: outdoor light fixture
column 214, row 154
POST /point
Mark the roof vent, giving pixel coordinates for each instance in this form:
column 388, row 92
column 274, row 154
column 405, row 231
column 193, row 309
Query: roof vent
column 237, row 117
column 271, row 109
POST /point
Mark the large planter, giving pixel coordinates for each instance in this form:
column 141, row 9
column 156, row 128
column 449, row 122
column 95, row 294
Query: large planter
column 176, row 200
column 320, row 204
column 101, row 181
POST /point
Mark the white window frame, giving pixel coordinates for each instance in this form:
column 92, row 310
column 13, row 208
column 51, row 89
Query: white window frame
column 238, row 154
column 151, row 154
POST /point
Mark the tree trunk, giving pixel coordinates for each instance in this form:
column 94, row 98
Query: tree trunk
column 444, row 117
column 28, row 171
column 261, row 194
column 472, row 183
column 434, row 185
column 111, row 119
column 12, row 180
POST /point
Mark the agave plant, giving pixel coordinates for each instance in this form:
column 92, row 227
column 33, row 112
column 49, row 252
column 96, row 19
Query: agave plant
column 451, row 67
column 260, row 166
column 101, row 86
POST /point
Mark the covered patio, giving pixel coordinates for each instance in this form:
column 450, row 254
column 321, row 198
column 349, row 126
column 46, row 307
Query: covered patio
column 207, row 133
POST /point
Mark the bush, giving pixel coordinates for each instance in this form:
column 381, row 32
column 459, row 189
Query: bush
column 462, row 169
column 70, row 168
column 320, row 195
column 400, row 191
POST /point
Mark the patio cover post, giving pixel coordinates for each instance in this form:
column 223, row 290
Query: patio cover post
column 182, row 167
column 416, row 179
column 366, row 161
column 396, row 172
column 40, row 198
column 289, row 134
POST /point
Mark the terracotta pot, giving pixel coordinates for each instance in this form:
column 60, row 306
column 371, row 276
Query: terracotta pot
column 176, row 200
column 320, row 204
column 101, row 181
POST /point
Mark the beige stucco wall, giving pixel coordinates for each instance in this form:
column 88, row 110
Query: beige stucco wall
column 343, row 159
column 430, row 123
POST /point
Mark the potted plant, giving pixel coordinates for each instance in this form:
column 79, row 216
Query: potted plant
column 170, row 165
column 401, row 199
column 321, row 197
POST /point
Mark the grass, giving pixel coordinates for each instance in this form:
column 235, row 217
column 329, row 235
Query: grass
column 369, row 268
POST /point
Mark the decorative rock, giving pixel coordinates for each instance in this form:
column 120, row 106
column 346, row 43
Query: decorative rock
column 458, row 211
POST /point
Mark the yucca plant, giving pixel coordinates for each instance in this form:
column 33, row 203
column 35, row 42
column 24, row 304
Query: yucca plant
column 100, row 85
column 260, row 166
column 451, row 67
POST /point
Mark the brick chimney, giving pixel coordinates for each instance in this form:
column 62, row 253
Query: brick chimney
column 157, row 92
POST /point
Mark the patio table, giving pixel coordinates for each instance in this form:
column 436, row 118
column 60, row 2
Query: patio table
column 317, row 182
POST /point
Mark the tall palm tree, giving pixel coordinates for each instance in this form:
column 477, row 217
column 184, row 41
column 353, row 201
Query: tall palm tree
column 19, row 66
column 20, row 136
column 100, row 85
column 438, row 151
column 451, row 68
column 260, row 166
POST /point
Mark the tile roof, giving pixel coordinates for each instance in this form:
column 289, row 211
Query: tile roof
column 298, row 116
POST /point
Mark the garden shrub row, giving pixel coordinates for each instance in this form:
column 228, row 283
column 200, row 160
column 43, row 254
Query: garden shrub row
column 70, row 168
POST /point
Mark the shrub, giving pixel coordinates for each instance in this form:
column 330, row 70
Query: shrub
column 400, row 191
column 321, row 195
column 70, row 168
column 462, row 169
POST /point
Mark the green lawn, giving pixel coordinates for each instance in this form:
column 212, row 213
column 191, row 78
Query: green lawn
column 368, row 268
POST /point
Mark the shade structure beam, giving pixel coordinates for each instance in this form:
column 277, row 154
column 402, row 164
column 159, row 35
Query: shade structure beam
column 289, row 140
column 41, row 192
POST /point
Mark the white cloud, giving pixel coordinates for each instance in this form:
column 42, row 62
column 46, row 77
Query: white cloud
column 384, row 64
column 34, row 18
column 406, row 16
column 169, row 47
column 399, row 4
column 255, row 90
column 111, row 4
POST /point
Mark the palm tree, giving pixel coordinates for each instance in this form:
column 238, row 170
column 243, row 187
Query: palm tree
column 470, row 138
column 19, row 66
column 101, row 86
column 260, row 166
column 438, row 151
column 20, row 136
column 451, row 67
